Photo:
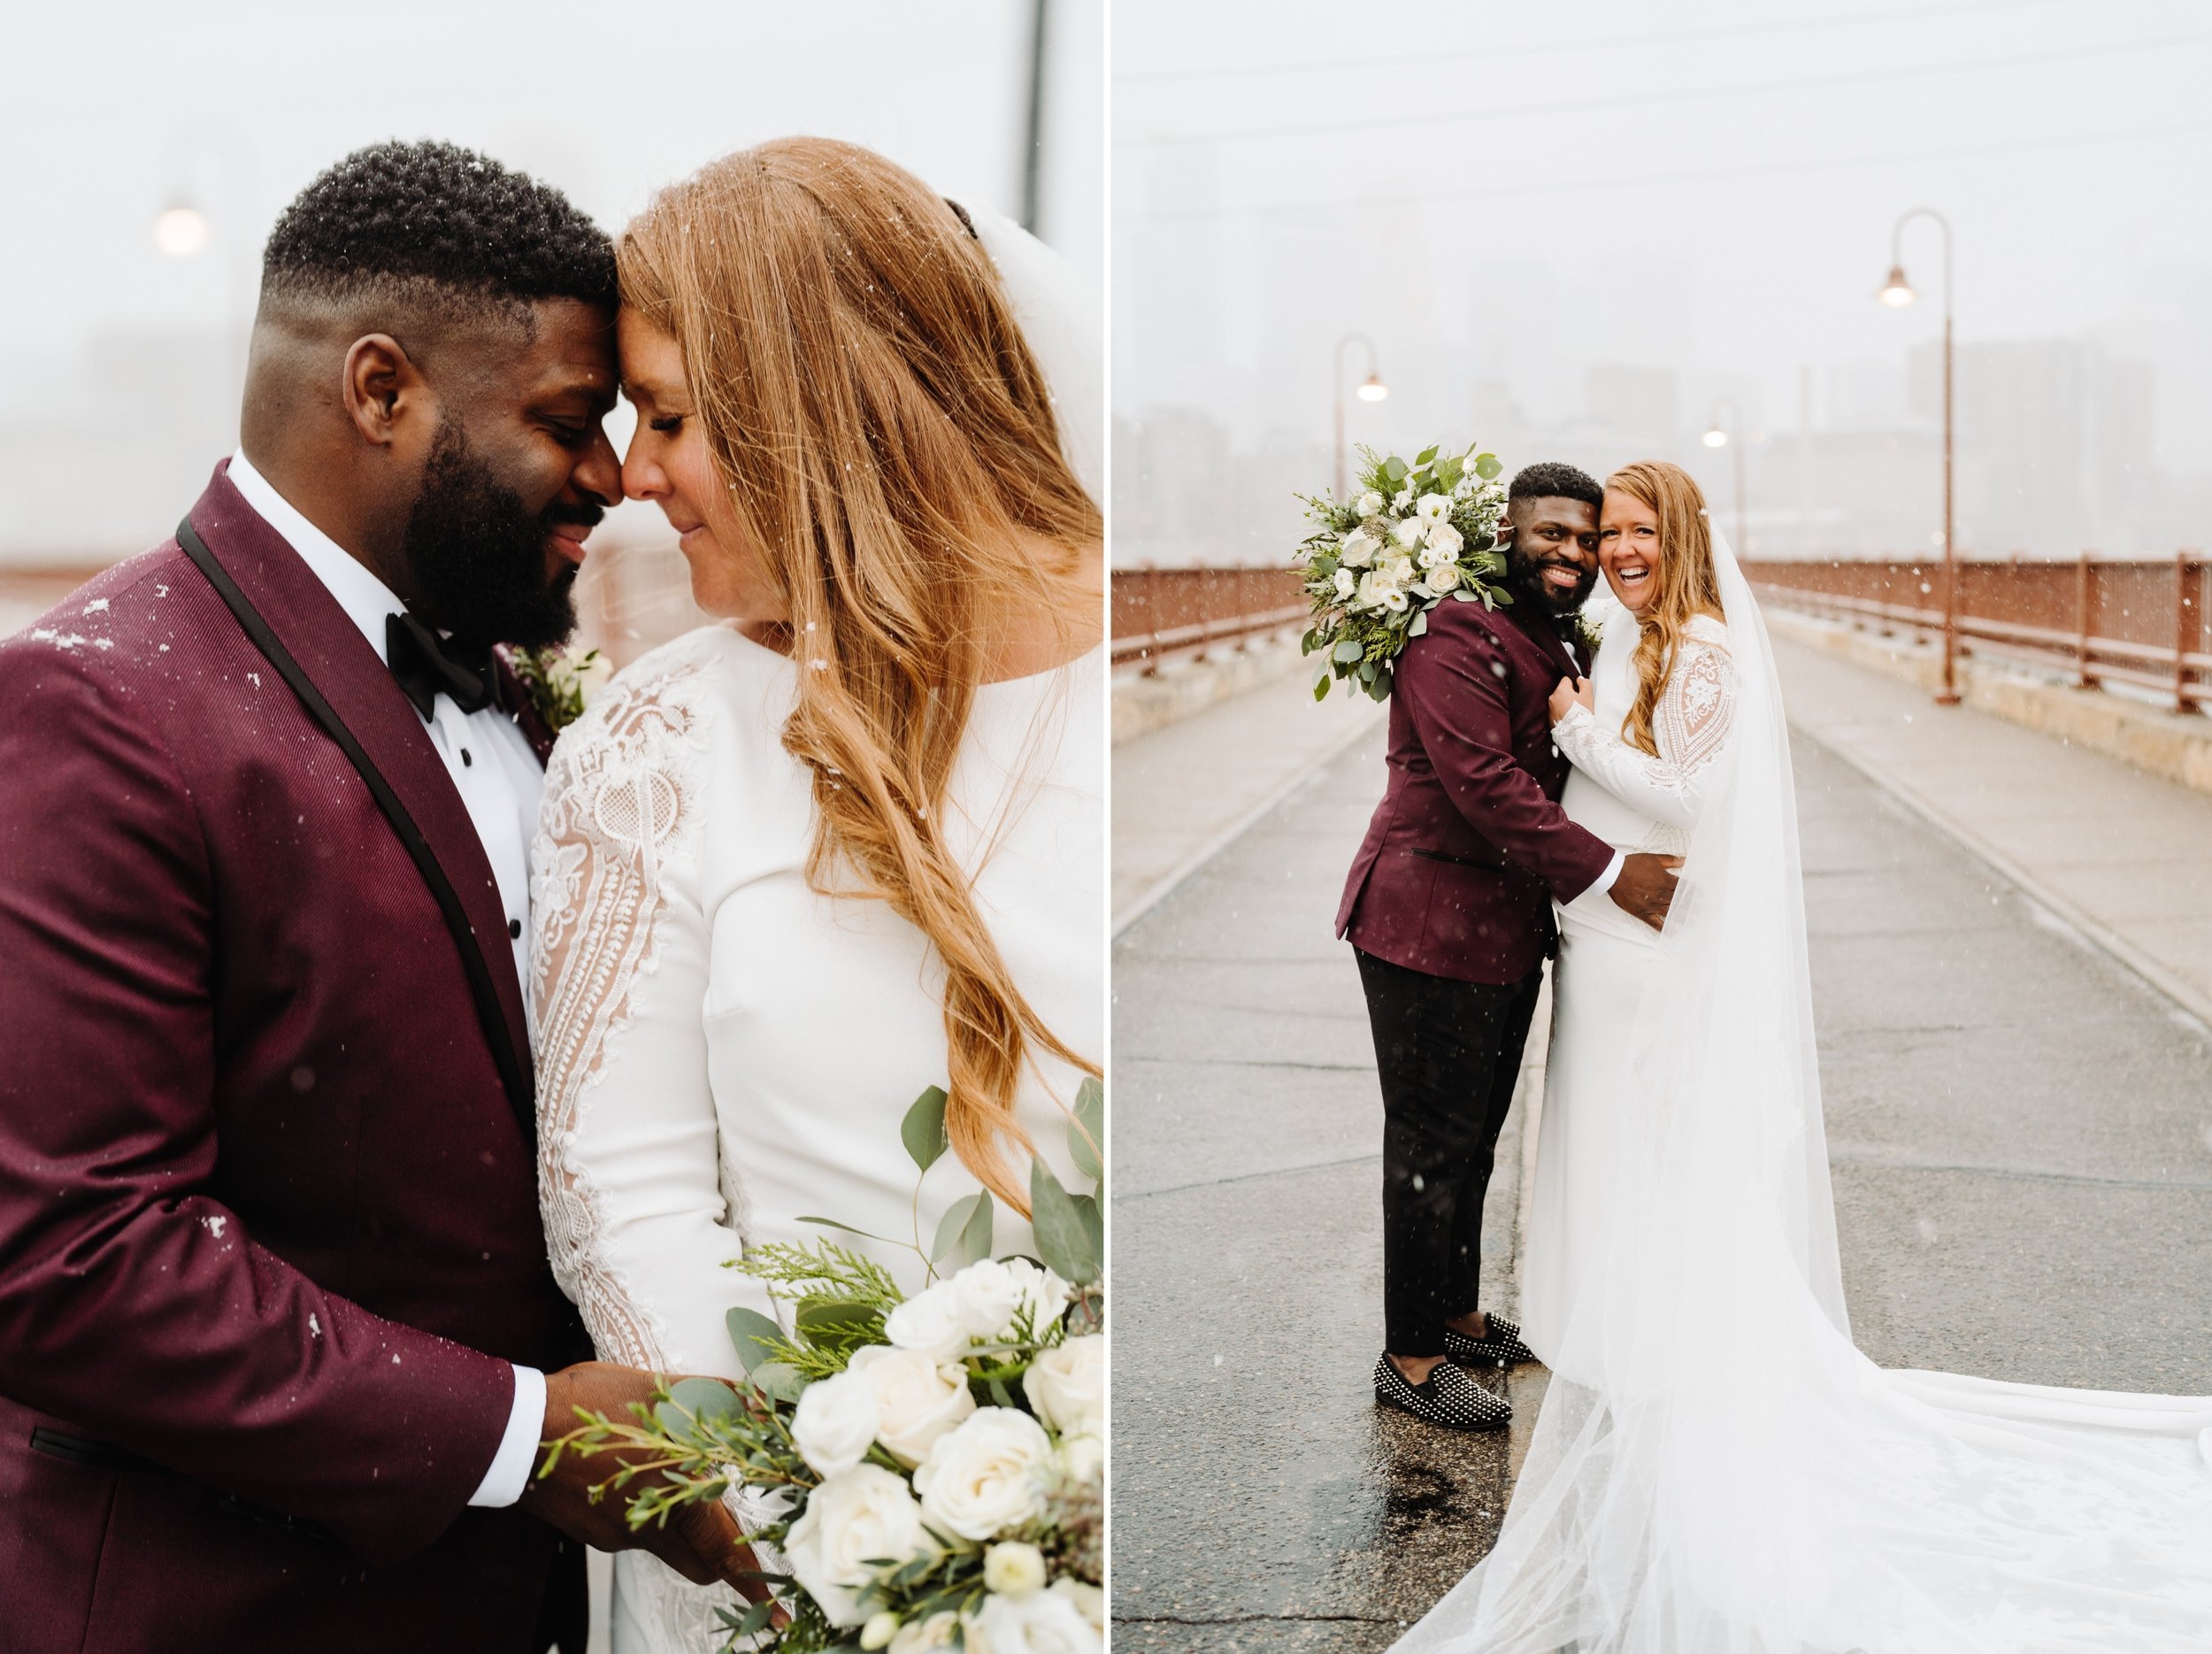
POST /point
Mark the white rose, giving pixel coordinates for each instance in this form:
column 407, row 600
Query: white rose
column 998, row 1299
column 1443, row 537
column 1347, row 582
column 866, row 1511
column 986, row 1475
column 1431, row 507
column 1089, row 1601
column 1374, row 588
column 1083, row 1459
column 835, row 1423
column 919, row 1636
column 930, row 1322
column 1409, row 532
column 1370, row 503
column 918, row 1399
column 1443, row 578
column 879, row 1630
column 1042, row 1622
column 1400, row 569
column 1402, row 499
column 1067, row 1386
column 1358, row 549
column 1014, row 1569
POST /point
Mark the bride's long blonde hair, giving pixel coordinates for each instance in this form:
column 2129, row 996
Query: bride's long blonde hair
column 888, row 445
column 1685, row 582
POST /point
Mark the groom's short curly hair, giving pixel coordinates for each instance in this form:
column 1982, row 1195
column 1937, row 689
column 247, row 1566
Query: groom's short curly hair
column 1552, row 481
column 437, row 224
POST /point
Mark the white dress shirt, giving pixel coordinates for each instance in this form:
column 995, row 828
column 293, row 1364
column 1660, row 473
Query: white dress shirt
column 500, row 784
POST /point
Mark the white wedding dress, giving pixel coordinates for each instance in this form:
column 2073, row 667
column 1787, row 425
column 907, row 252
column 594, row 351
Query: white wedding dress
column 721, row 1051
column 1715, row 1468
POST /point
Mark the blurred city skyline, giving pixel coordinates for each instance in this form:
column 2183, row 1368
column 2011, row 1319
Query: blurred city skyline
column 119, row 366
column 1585, row 233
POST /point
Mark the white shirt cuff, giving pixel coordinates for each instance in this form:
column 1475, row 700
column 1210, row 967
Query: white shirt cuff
column 1612, row 872
column 510, row 1473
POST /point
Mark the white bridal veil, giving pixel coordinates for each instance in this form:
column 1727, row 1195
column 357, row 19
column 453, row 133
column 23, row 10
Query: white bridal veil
column 1726, row 1473
column 1063, row 318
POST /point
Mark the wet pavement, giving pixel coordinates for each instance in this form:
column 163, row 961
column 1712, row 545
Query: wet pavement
column 2021, row 1132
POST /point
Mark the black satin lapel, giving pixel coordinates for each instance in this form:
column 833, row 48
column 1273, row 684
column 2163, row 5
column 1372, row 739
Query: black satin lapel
column 338, row 678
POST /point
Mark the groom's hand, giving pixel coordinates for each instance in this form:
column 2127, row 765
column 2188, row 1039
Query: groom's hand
column 1647, row 885
column 700, row 1542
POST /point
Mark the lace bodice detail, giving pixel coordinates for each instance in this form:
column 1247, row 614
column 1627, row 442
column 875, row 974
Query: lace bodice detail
column 1690, row 725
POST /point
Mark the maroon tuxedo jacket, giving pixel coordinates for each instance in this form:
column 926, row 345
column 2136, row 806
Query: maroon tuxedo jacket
column 1457, row 875
column 269, row 1229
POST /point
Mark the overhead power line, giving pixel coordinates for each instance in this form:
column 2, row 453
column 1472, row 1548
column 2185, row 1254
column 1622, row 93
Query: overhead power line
column 1480, row 114
column 1550, row 186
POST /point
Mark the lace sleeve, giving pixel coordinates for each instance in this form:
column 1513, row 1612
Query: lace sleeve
column 1689, row 727
column 640, row 1214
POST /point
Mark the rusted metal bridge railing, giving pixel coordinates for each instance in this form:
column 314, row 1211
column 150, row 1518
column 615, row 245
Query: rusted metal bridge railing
column 1163, row 611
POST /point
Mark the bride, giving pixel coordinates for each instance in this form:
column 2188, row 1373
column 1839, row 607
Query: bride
column 795, row 867
column 1716, row 1467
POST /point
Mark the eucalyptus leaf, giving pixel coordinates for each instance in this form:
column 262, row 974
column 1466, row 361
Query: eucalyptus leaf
column 1379, row 689
column 708, row 1400
column 778, row 1381
column 924, row 1127
column 753, row 1336
column 1424, row 456
column 964, row 1235
column 1367, row 671
column 1306, row 641
column 1394, row 469
column 1086, row 1134
column 1064, row 1240
column 1346, row 652
column 1093, row 1221
column 757, row 1617
column 1321, row 690
column 1487, row 465
column 1420, row 627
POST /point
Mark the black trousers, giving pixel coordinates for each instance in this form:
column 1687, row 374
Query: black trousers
column 1449, row 1053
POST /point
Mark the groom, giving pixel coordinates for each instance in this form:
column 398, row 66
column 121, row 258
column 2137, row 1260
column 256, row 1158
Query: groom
column 1450, row 907
column 278, row 1334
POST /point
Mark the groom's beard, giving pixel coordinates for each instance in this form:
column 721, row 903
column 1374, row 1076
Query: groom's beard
column 478, row 554
column 1526, row 574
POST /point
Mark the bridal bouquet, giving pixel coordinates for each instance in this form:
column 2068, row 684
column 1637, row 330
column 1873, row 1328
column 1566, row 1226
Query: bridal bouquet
column 934, row 1465
column 1377, row 562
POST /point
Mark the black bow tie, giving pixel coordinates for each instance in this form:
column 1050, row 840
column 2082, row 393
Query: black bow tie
column 428, row 665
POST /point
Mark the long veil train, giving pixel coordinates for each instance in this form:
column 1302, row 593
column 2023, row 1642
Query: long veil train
column 1726, row 1473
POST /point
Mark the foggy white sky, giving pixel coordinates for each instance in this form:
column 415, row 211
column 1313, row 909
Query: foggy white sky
column 115, row 108
column 1519, row 190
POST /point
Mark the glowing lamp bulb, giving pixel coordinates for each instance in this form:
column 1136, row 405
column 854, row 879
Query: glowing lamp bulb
column 1717, row 438
column 1897, row 292
column 1373, row 390
column 180, row 232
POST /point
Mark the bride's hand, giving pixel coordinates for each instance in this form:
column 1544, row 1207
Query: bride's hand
column 1572, row 692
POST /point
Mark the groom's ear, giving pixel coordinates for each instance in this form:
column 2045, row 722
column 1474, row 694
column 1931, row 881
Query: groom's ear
column 384, row 391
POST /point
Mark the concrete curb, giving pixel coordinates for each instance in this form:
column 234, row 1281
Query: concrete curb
column 2171, row 745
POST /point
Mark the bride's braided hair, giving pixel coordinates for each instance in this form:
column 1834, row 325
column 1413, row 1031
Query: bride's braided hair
column 888, row 444
column 1684, row 582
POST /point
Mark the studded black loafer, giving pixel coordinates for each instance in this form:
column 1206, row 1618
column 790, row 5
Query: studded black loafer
column 1446, row 1397
column 1502, row 1348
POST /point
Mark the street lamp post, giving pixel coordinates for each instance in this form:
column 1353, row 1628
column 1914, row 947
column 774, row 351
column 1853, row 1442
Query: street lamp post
column 1719, row 435
column 1897, row 292
column 1371, row 390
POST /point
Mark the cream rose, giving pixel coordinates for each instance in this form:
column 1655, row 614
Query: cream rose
column 835, row 1423
column 1408, row 532
column 931, row 1322
column 1444, row 538
column 986, row 1475
column 1083, row 1459
column 918, row 1399
column 866, row 1511
column 1067, row 1386
column 1347, row 582
column 1043, row 1622
column 1089, row 1601
column 919, row 1636
column 1014, row 1568
column 1358, row 549
column 1369, row 504
column 1443, row 578
column 995, row 1297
